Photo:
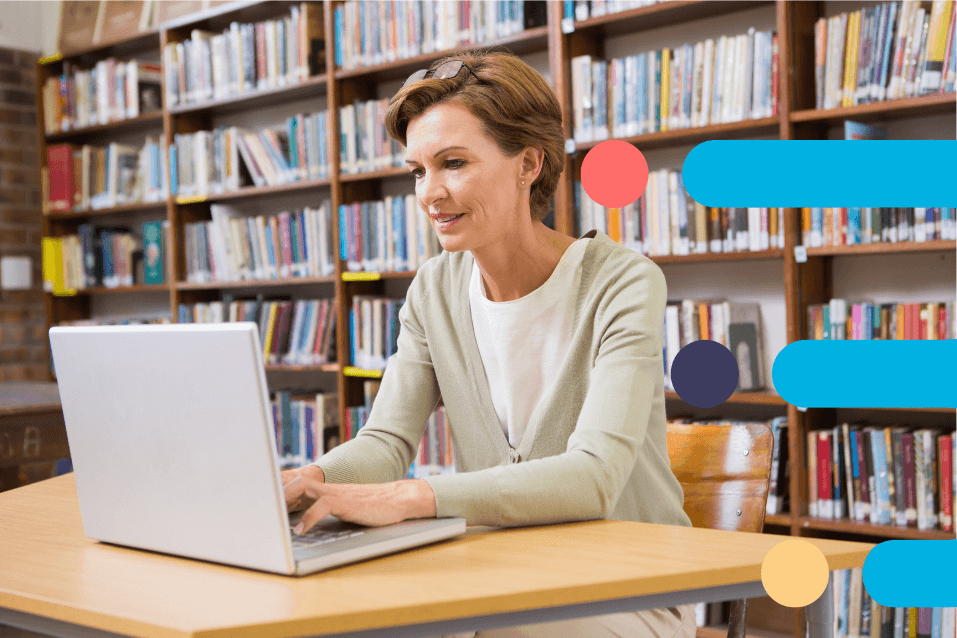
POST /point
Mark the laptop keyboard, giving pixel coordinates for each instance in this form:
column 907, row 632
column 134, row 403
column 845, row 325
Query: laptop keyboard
column 319, row 536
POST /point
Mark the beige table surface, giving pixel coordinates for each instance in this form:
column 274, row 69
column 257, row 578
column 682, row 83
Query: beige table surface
column 49, row 568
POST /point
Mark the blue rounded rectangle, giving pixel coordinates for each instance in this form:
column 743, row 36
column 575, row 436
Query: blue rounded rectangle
column 867, row 374
column 912, row 573
column 800, row 173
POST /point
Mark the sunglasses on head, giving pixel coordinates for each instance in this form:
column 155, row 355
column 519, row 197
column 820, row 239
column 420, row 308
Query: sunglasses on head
column 444, row 71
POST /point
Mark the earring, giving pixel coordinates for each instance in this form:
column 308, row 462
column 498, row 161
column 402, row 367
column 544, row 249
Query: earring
column 523, row 183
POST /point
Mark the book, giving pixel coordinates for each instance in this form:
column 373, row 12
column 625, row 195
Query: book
column 167, row 10
column 61, row 175
column 744, row 335
column 78, row 25
column 154, row 253
column 859, row 131
column 121, row 18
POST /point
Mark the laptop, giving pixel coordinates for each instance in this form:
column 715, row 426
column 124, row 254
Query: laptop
column 174, row 451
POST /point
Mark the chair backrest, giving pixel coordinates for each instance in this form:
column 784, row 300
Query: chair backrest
column 724, row 471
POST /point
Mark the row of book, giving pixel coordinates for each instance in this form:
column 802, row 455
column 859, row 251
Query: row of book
column 887, row 51
column 371, row 32
column 116, row 260
column 306, row 425
column 848, row 226
column 89, row 177
column 112, row 90
column 435, row 449
column 300, row 332
column 229, row 158
column 385, row 236
column 886, row 476
column 356, row 416
column 857, row 615
column 729, row 79
column 105, row 257
column 435, row 454
column 584, row 9
column 373, row 330
column 735, row 325
column 840, row 319
column 238, row 247
column 666, row 221
column 245, row 57
column 364, row 144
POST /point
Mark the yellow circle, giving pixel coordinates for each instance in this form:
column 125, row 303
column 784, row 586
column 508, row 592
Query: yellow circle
column 794, row 573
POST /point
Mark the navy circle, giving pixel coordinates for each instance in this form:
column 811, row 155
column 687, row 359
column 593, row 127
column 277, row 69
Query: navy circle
column 704, row 373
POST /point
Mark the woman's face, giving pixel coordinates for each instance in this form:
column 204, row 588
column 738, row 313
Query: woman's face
column 460, row 172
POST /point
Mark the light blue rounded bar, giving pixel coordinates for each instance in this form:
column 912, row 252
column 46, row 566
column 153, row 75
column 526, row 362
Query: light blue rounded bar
column 867, row 374
column 912, row 573
column 799, row 173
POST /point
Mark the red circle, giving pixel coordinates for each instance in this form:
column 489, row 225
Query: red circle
column 614, row 173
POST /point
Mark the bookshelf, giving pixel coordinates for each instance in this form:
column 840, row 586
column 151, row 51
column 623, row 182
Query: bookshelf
column 560, row 39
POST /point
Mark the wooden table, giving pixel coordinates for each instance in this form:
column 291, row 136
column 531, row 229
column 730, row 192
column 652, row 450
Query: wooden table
column 53, row 579
column 31, row 428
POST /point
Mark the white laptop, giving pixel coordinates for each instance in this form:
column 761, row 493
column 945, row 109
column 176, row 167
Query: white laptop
column 173, row 449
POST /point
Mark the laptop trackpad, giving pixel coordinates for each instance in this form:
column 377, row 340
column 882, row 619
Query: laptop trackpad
column 329, row 523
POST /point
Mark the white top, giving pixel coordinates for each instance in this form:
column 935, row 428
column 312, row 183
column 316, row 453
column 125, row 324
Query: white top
column 523, row 342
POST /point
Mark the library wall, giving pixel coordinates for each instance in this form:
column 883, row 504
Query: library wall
column 20, row 23
column 23, row 343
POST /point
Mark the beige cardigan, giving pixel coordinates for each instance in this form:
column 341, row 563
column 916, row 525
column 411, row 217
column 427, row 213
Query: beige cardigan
column 596, row 445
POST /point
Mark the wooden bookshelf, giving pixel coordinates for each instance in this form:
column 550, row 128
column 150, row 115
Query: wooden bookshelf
column 85, row 215
column 527, row 41
column 847, row 526
column 255, row 192
column 392, row 171
column 310, row 87
column 908, row 107
column 804, row 283
column 742, row 398
column 131, row 46
column 116, row 126
column 255, row 283
column 123, row 289
column 950, row 411
column 659, row 15
column 936, row 245
column 741, row 255
column 696, row 135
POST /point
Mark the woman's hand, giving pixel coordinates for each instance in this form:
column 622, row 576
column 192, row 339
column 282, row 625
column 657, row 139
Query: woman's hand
column 374, row 504
column 314, row 472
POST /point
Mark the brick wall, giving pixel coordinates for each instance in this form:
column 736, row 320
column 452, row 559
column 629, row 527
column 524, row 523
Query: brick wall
column 24, row 349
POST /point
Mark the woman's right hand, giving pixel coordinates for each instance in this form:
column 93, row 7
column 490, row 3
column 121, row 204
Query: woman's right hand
column 313, row 472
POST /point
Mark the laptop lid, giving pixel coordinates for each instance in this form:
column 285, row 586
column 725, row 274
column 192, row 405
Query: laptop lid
column 171, row 440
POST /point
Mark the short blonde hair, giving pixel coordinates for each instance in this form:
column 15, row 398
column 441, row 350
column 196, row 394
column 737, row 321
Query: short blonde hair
column 516, row 106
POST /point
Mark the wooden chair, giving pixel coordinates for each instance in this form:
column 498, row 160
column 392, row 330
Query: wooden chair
column 725, row 472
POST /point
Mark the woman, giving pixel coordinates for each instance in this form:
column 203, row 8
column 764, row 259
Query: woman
column 546, row 350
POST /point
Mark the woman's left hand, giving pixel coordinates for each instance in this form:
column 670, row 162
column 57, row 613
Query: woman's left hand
column 374, row 504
